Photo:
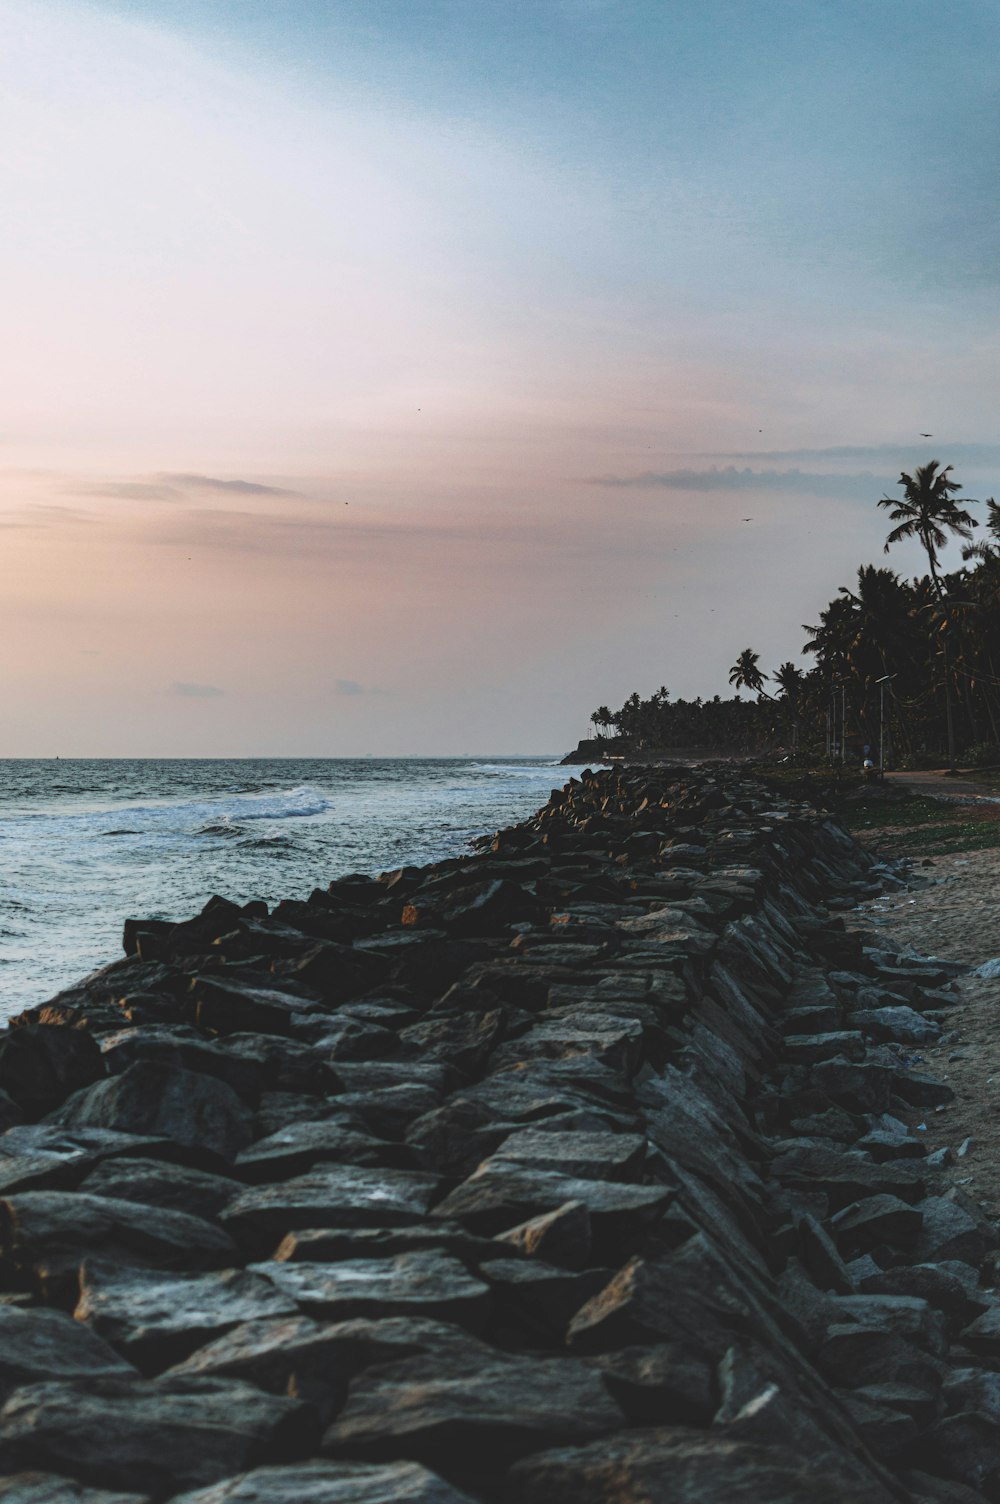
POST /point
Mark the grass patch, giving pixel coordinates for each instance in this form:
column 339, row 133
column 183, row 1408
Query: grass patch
column 922, row 827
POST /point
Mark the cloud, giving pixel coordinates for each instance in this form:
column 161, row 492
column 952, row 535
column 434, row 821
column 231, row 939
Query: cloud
column 129, row 490
column 917, row 452
column 188, row 691
column 347, row 687
column 732, row 479
column 235, row 487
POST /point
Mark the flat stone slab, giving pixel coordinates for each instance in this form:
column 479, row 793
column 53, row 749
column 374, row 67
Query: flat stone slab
column 429, row 1284
column 676, row 1466
column 470, row 1422
column 331, row 1483
column 177, row 1188
column 151, row 1436
column 335, row 1196
column 592, row 1156
column 155, row 1318
column 51, row 1231
column 500, row 1195
column 165, row 1101
column 46, row 1488
column 37, row 1344
column 295, row 1149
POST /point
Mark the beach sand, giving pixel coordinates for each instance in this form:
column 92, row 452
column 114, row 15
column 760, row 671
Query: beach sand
column 953, row 911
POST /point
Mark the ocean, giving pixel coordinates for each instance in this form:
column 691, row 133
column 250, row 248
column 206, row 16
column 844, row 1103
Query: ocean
column 86, row 843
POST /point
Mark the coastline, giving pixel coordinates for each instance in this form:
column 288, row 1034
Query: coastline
column 475, row 1181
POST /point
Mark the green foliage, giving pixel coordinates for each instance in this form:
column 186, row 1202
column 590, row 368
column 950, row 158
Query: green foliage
column 911, row 667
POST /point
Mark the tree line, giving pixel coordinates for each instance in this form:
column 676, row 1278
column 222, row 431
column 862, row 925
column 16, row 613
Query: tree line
column 907, row 668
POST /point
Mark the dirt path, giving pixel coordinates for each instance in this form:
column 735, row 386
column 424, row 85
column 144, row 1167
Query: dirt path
column 941, row 784
column 956, row 915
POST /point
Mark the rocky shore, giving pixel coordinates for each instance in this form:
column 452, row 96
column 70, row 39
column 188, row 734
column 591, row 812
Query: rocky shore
column 587, row 1168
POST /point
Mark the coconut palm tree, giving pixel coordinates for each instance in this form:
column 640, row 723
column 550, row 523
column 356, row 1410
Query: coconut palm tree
column 746, row 674
column 928, row 512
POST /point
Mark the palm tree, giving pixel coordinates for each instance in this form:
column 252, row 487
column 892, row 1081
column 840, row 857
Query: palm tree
column 745, row 674
column 929, row 512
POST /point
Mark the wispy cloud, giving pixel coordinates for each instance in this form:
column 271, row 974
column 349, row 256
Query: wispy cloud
column 917, row 452
column 347, row 687
column 128, row 490
column 188, row 691
column 732, row 479
column 235, row 487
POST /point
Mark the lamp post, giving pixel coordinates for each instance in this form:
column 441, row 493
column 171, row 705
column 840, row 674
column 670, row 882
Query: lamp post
column 885, row 679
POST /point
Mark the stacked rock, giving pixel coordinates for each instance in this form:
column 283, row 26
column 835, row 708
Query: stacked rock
column 577, row 1170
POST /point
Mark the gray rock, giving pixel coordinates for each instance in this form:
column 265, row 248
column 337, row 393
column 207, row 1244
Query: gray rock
column 330, row 1483
column 950, row 1230
column 469, row 1421
column 41, row 1065
column 48, row 1233
column 199, row 1111
column 902, row 1024
column 332, row 1196
column 668, row 1384
column 867, row 1224
column 155, row 1183
column 500, row 1195
column 41, row 1344
column 155, row 1318
column 431, row 1284
column 590, row 1156
column 156, row 1436
column 297, row 1147
column 560, row 1237
column 46, row 1488
column 677, row 1466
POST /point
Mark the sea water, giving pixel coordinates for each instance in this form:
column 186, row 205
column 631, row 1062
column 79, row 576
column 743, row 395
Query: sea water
column 86, row 843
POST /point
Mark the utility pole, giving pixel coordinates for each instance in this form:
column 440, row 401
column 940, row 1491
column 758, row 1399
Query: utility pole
column 886, row 679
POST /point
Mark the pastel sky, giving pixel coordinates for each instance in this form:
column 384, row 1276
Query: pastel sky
column 394, row 376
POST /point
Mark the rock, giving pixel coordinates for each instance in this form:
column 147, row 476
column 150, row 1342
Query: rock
column 41, row 1065
column 328, row 1245
column 155, row 1183
column 46, row 1488
column 155, row 1319
column 560, row 1237
column 470, row 1421
column 537, row 1299
column 332, row 1196
column 938, row 1284
column 41, row 1344
column 967, row 1447
column 431, row 1284
column 854, row 1355
column 902, row 1024
column 330, row 1483
column 487, row 908
column 155, row 1436
column 48, row 1234
column 317, row 1361
column 183, row 1048
column 875, row 1220
column 230, row 1007
column 677, row 1466
column 500, row 1195
column 951, row 1231
column 590, row 1156
column 300, row 1146
column 668, row 1384
column 196, row 1110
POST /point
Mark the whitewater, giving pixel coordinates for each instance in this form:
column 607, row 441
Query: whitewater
column 86, row 843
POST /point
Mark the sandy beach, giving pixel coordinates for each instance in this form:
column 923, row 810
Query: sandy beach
column 952, row 910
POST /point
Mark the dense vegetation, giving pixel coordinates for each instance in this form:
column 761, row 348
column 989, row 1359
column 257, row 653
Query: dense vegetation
column 913, row 664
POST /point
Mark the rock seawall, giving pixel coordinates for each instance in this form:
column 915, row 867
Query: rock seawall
column 575, row 1171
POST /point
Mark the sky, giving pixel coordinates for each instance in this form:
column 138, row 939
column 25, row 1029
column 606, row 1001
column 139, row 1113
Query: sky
column 410, row 377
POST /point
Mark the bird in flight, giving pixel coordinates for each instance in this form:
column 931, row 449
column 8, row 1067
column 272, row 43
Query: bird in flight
column 747, row 519
column 927, row 436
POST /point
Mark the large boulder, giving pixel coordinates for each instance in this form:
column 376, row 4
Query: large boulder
column 152, row 1098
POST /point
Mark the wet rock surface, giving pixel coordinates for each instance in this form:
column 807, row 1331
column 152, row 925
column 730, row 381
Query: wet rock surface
column 584, row 1168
